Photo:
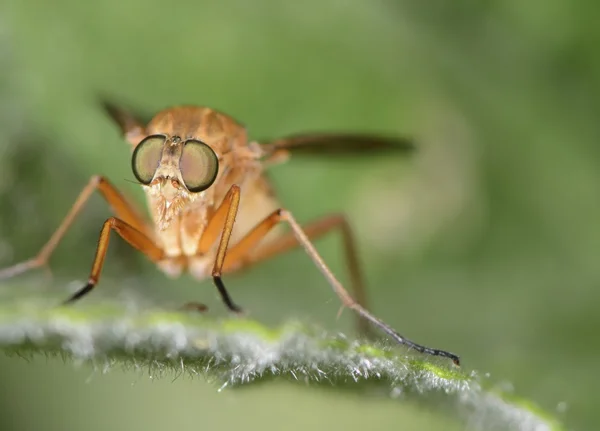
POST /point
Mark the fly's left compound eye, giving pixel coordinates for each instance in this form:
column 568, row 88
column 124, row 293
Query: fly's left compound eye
column 146, row 157
column 199, row 165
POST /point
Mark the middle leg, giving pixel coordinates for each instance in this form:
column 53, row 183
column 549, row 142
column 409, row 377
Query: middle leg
column 134, row 237
column 245, row 253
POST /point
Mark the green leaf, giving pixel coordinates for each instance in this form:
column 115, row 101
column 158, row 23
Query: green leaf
column 238, row 352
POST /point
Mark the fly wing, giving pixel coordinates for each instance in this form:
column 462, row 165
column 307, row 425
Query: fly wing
column 132, row 125
column 351, row 144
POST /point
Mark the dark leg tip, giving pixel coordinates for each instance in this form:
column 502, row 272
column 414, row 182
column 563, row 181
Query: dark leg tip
column 236, row 309
column 455, row 359
column 80, row 293
column 225, row 295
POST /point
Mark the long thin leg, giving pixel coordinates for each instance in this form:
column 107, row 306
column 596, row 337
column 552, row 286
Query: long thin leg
column 244, row 253
column 134, row 237
column 120, row 206
column 222, row 223
column 302, row 238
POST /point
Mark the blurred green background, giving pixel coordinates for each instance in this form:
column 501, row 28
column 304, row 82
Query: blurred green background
column 486, row 243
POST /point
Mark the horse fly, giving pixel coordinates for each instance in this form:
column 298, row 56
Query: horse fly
column 194, row 163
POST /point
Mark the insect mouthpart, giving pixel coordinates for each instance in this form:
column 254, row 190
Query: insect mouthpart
column 169, row 197
column 168, row 187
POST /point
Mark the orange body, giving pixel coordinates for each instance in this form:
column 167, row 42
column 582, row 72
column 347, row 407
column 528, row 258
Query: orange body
column 180, row 226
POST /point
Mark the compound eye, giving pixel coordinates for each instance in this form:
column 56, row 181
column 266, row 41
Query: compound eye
column 199, row 165
column 146, row 158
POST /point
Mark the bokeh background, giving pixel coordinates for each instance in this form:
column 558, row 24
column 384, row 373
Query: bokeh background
column 485, row 243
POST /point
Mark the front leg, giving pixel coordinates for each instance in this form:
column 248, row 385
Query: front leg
column 134, row 237
column 221, row 223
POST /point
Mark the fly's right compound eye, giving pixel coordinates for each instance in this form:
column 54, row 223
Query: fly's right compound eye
column 146, row 158
column 199, row 165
